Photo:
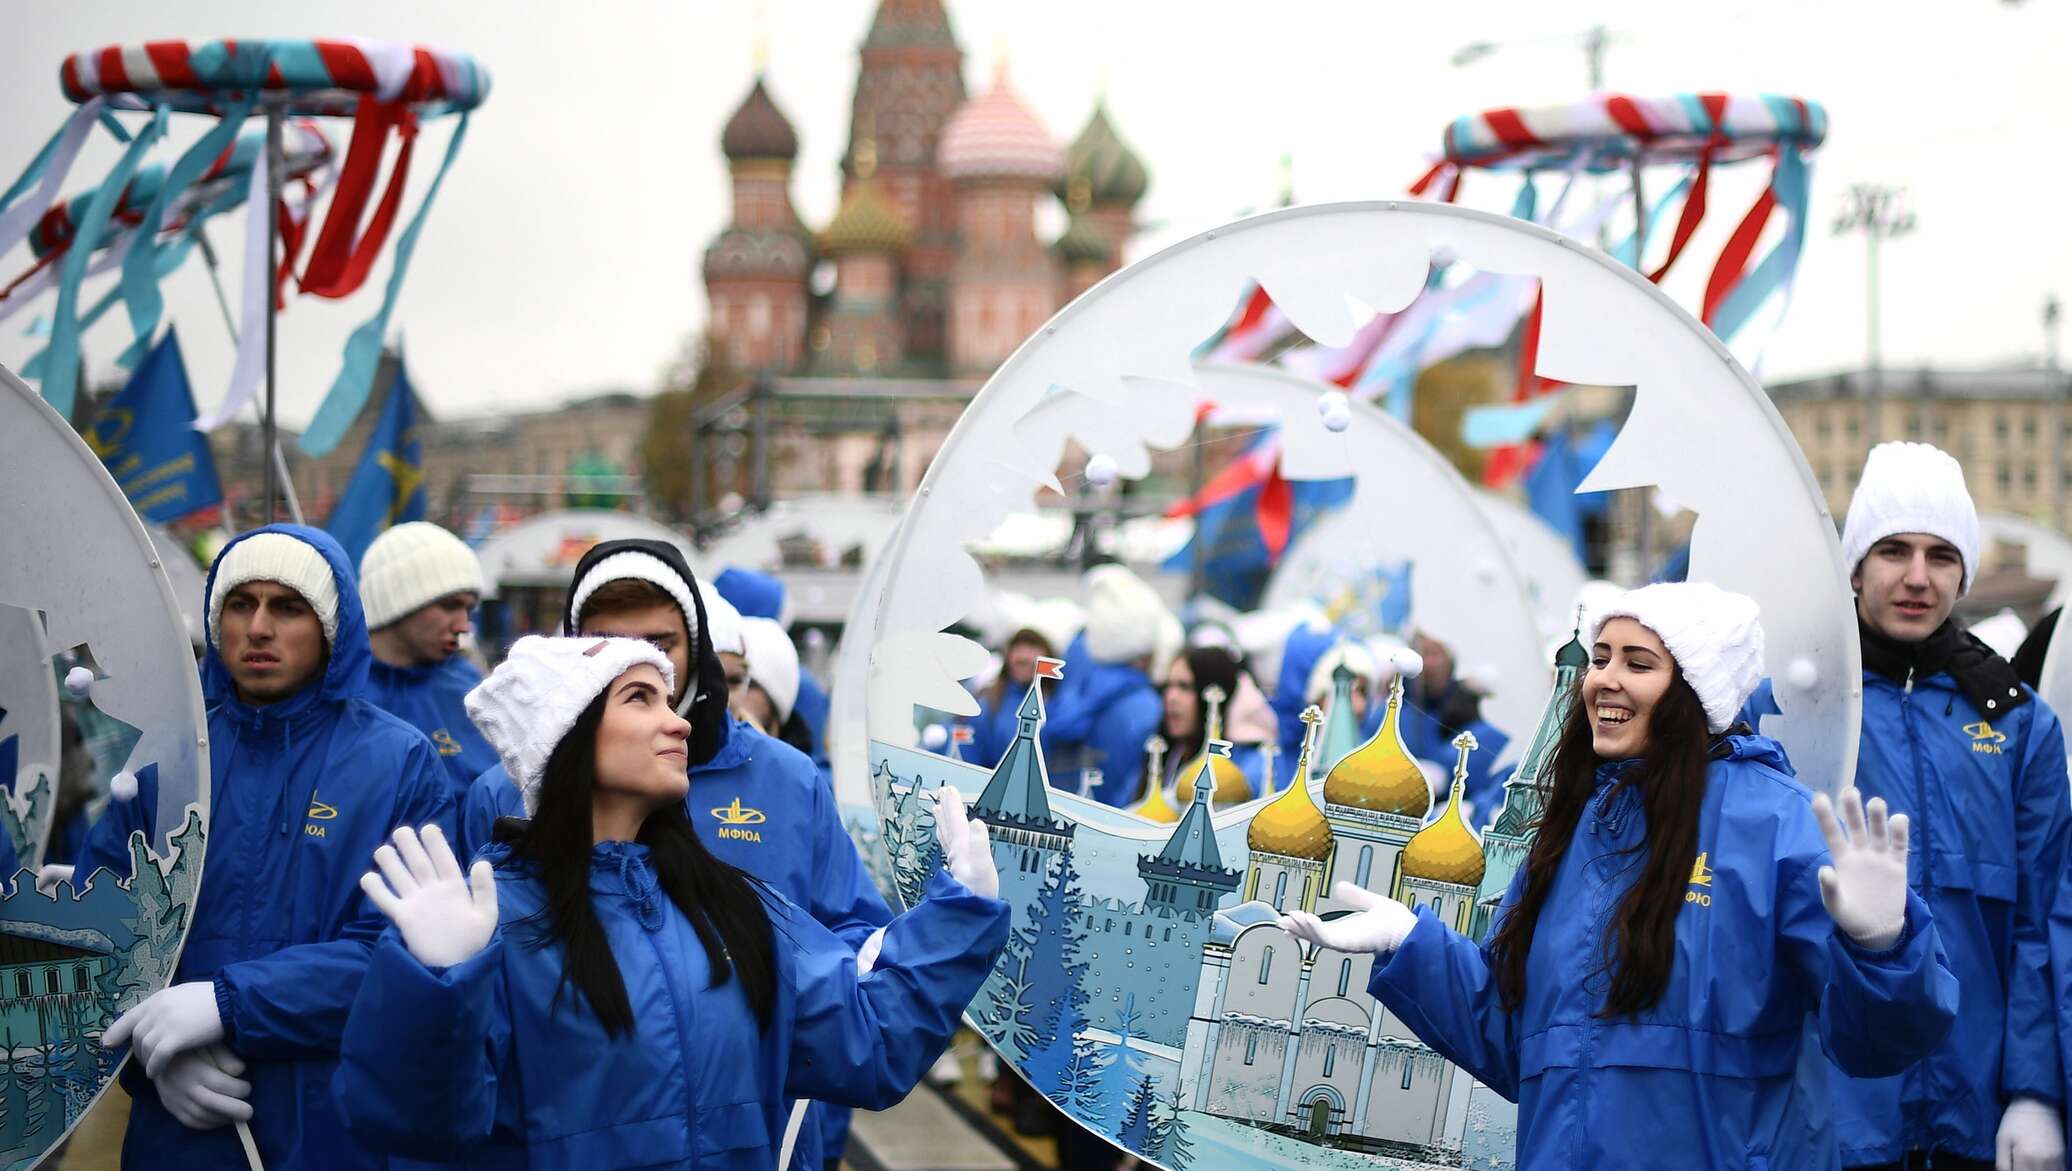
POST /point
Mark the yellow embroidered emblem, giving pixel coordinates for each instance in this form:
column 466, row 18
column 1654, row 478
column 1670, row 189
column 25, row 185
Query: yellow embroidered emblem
column 445, row 743
column 735, row 815
column 1984, row 738
column 1701, row 874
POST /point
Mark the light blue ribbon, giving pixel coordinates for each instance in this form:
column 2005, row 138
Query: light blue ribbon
column 355, row 379
column 1496, row 424
column 1777, row 267
column 139, row 269
column 1623, row 252
column 60, row 384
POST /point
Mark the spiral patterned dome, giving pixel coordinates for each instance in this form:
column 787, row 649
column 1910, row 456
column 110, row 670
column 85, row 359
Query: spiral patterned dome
column 995, row 136
column 1102, row 166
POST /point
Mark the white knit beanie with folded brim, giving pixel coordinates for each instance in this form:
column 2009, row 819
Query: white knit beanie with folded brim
column 722, row 622
column 283, row 560
column 539, row 691
column 1715, row 636
column 413, row 565
column 773, row 663
column 1912, row 488
column 1126, row 620
column 638, row 566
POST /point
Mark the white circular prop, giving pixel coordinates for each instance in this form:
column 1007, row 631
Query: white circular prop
column 1147, row 991
column 76, row 560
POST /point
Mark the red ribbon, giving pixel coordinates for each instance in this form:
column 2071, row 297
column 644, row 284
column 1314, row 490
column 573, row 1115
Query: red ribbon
column 1733, row 261
column 337, row 264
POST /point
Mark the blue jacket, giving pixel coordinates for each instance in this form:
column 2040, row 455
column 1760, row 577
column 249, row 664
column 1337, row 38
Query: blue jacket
column 429, row 698
column 1711, row 1076
column 1109, row 714
column 785, row 831
column 1988, row 802
column 300, row 794
column 1429, row 739
column 477, row 1065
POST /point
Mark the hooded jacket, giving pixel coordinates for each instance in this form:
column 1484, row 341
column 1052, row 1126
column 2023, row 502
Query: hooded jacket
column 300, row 793
column 1986, row 793
column 1762, row 975
column 476, row 1065
column 428, row 697
column 1108, row 716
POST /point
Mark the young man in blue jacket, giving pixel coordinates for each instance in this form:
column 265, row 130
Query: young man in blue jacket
column 419, row 585
column 306, row 779
column 1952, row 739
column 756, row 802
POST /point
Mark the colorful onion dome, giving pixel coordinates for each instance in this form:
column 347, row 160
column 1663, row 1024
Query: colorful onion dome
column 995, row 136
column 1081, row 243
column 1154, row 806
column 1446, row 850
column 1381, row 775
column 1291, row 825
column 1103, row 167
column 758, row 129
column 1233, row 787
column 866, row 223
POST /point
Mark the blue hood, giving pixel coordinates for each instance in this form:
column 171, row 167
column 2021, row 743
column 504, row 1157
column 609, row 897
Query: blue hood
column 756, row 595
column 345, row 673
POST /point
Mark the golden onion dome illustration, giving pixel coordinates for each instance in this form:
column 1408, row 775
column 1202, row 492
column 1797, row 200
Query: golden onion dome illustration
column 1447, row 850
column 1381, row 775
column 1233, row 787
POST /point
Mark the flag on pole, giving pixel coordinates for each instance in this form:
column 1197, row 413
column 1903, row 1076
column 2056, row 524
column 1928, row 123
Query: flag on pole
column 1247, row 515
column 387, row 487
column 146, row 438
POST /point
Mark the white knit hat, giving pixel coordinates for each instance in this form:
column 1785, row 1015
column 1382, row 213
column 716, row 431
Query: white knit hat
column 1912, row 488
column 722, row 622
column 773, row 663
column 639, row 566
column 1715, row 636
column 536, row 694
column 278, row 558
column 413, row 565
column 1125, row 617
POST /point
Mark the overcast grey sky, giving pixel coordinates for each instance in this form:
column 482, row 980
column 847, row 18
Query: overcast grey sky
column 563, row 254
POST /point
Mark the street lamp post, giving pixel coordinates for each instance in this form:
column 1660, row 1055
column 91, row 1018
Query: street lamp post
column 1879, row 212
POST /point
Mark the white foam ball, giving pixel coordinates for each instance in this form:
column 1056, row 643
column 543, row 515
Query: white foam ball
column 934, row 736
column 1407, row 662
column 1802, row 674
column 123, row 786
column 1101, row 470
column 79, row 680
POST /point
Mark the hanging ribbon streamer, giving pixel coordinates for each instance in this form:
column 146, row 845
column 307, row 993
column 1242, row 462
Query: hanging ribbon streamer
column 140, row 273
column 60, row 383
column 50, row 165
column 355, row 379
column 257, row 287
column 1775, row 274
column 338, row 265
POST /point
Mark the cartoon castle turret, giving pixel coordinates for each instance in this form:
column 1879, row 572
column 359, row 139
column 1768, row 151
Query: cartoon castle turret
column 1232, row 786
column 1442, row 865
column 1509, row 835
column 1289, row 841
column 1188, row 877
column 1016, row 801
column 1375, row 799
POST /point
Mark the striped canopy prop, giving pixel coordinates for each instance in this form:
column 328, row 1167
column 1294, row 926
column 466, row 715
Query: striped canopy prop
column 1609, row 134
column 388, row 89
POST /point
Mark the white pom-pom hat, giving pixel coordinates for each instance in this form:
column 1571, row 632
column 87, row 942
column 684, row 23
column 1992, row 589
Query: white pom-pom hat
column 538, row 692
column 1715, row 636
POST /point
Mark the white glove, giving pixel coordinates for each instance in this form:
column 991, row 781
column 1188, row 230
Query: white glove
column 1377, row 926
column 967, row 845
column 2032, row 1138
column 1865, row 891
column 205, row 1088
column 169, row 1022
column 445, row 917
column 867, row 955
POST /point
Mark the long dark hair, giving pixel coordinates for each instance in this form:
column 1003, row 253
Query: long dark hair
column 1003, row 687
column 1211, row 666
column 724, row 905
column 1640, row 944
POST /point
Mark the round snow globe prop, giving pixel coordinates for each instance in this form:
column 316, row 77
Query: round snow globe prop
column 85, row 599
column 1146, row 988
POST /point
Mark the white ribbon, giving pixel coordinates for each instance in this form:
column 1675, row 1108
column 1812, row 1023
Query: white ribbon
column 258, row 293
column 16, row 221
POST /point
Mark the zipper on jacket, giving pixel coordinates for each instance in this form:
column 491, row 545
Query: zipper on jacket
column 1923, row 825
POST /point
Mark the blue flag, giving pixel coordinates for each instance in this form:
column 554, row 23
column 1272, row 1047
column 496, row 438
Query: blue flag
column 1550, row 487
column 146, row 438
column 1247, row 517
column 387, row 487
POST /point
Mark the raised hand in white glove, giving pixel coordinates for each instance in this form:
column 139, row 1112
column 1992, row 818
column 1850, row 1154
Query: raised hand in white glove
column 205, row 1088
column 444, row 916
column 867, row 955
column 169, row 1022
column 967, row 845
column 1377, row 926
column 1865, row 891
column 2032, row 1138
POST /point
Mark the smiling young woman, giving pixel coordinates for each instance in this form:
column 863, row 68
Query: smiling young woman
column 1685, row 908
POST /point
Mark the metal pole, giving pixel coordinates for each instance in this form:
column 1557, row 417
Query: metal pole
column 280, row 463
column 275, row 164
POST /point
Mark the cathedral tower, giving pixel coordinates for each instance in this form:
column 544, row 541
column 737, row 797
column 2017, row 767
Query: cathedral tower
column 756, row 269
column 1005, row 283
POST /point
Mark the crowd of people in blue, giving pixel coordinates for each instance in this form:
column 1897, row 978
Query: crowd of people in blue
column 598, row 909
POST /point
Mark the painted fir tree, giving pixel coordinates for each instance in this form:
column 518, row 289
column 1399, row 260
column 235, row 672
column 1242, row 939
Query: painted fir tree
column 910, row 842
column 183, row 871
column 158, row 919
column 1054, row 970
column 1079, row 1082
column 23, row 818
column 1169, row 1145
column 1006, row 992
column 1138, row 1109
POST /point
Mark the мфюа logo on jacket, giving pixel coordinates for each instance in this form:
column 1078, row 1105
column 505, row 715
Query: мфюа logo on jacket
column 733, row 820
column 1984, row 738
column 1701, row 875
